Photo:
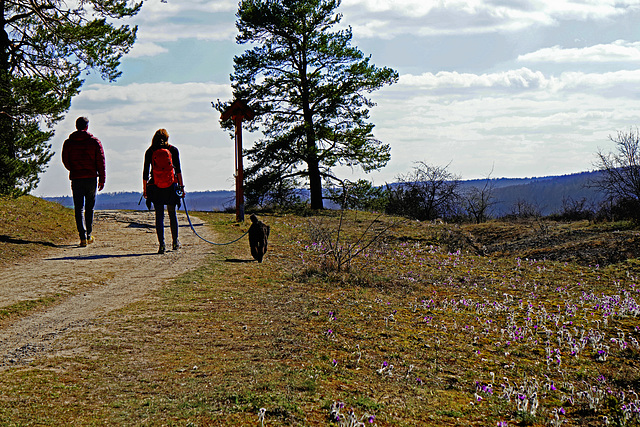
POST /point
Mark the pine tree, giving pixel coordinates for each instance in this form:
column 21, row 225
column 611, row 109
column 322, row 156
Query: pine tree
column 45, row 46
column 308, row 86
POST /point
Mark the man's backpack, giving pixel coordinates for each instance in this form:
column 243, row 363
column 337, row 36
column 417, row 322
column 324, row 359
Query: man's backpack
column 162, row 168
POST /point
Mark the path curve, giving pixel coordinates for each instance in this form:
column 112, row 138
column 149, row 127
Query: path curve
column 121, row 267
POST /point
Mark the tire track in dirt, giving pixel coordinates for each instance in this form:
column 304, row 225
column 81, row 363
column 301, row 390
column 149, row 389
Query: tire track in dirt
column 121, row 267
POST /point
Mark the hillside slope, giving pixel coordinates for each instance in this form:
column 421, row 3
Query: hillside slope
column 29, row 224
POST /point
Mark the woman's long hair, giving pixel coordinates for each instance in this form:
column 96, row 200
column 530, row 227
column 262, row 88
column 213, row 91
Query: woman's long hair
column 160, row 138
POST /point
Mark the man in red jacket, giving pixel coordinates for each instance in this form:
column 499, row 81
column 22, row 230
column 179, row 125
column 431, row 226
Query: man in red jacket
column 83, row 156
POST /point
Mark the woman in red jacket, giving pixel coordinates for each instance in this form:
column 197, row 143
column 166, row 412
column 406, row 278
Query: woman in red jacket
column 162, row 161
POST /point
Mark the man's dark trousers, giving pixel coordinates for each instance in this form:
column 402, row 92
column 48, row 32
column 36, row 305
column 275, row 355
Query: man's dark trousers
column 84, row 196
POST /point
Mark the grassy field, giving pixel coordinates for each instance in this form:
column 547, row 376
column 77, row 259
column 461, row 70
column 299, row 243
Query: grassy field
column 364, row 319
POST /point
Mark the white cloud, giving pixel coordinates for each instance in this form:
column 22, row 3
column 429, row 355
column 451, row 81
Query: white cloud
column 455, row 17
column 405, row 7
column 626, row 80
column 170, row 32
column 587, row 9
column 620, row 83
column 522, row 79
column 618, row 51
column 550, row 125
column 182, row 19
column 141, row 49
column 156, row 10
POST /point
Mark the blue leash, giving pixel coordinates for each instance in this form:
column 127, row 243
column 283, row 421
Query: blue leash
column 181, row 194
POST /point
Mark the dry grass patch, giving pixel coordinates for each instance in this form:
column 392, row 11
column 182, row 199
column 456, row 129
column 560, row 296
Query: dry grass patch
column 29, row 224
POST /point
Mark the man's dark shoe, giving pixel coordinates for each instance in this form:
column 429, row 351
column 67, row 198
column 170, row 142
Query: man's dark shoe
column 162, row 249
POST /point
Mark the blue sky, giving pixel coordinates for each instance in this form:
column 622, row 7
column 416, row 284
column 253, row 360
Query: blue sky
column 510, row 88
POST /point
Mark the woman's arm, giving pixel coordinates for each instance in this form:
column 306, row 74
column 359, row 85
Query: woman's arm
column 145, row 172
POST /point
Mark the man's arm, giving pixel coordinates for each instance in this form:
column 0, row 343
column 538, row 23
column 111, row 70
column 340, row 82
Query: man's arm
column 65, row 156
column 102, row 169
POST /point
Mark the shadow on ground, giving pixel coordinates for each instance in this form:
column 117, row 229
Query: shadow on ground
column 9, row 239
column 102, row 256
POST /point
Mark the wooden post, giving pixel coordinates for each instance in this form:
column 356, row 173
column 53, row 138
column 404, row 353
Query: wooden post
column 239, row 171
column 238, row 111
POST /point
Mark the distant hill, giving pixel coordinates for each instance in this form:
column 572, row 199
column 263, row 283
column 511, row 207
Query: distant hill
column 546, row 194
column 196, row 201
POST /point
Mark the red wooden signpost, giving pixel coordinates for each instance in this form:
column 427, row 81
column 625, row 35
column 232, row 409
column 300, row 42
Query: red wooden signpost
column 238, row 111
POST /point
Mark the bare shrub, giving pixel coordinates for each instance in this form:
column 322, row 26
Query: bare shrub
column 523, row 209
column 361, row 195
column 575, row 210
column 478, row 201
column 426, row 193
column 621, row 171
column 338, row 250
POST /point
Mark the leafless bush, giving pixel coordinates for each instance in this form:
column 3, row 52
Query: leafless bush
column 523, row 209
column 575, row 210
column 479, row 201
column 621, row 171
column 621, row 177
column 426, row 193
column 337, row 251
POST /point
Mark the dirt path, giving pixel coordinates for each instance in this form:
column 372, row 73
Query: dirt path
column 121, row 267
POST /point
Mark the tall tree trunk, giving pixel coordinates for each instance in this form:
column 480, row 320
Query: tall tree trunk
column 315, row 184
column 7, row 140
column 313, row 163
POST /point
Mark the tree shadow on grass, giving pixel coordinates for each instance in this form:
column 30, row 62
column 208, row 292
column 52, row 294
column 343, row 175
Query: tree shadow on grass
column 12, row 240
column 103, row 256
column 236, row 260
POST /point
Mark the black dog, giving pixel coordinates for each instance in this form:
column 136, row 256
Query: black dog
column 258, row 236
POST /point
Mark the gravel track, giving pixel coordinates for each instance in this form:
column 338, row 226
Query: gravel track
column 121, row 267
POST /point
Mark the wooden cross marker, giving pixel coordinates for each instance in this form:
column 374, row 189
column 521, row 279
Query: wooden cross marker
column 238, row 111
